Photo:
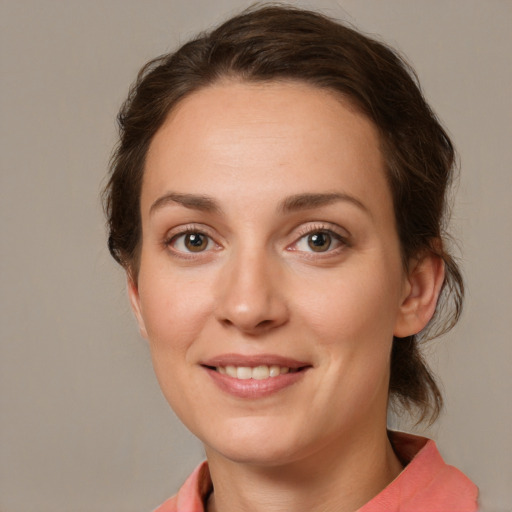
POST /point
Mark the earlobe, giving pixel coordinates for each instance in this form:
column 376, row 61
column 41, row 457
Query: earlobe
column 133, row 294
column 423, row 286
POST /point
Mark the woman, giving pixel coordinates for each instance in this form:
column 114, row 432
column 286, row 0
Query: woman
column 277, row 199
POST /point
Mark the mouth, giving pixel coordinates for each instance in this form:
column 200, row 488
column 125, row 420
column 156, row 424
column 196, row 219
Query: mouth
column 254, row 376
column 260, row 372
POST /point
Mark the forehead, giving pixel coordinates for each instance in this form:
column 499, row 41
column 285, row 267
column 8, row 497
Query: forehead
column 267, row 137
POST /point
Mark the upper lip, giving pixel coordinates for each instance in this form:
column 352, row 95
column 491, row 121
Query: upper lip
column 254, row 360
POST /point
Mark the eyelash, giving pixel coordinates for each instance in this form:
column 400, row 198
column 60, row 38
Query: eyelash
column 327, row 229
column 171, row 240
column 324, row 228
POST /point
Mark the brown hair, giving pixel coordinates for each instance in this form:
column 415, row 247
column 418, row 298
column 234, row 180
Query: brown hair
column 285, row 43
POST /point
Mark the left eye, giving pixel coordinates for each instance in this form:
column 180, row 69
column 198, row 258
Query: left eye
column 318, row 241
column 192, row 242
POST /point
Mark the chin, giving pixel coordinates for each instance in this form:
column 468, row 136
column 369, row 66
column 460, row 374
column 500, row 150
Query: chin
column 256, row 454
column 253, row 443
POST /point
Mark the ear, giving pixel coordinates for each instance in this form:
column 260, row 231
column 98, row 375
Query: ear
column 421, row 292
column 133, row 294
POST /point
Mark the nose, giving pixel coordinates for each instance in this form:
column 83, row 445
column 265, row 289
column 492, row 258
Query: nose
column 251, row 295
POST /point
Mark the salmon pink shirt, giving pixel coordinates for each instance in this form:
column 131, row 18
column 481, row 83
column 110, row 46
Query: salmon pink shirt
column 426, row 484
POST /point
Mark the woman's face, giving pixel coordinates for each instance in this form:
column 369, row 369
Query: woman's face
column 270, row 281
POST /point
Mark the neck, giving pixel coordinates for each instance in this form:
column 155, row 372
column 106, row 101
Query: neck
column 338, row 478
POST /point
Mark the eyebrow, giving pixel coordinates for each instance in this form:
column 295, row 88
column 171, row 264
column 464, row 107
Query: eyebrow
column 191, row 201
column 309, row 201
column 297, row 202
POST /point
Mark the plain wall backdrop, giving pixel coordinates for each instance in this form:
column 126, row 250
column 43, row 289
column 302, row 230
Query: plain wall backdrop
column 83, row 426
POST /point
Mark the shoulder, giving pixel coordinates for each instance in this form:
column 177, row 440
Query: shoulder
column 169, row 505
column 426, row 483
column 447, row 487
column 192, row 494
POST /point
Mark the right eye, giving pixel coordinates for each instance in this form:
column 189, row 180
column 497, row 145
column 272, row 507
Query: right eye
column 192, row 241
column 318, row 241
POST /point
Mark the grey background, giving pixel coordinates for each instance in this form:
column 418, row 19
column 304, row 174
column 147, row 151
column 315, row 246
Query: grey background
column 83, row 426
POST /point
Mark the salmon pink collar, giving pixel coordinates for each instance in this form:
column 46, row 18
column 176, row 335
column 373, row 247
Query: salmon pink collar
column 426, row 483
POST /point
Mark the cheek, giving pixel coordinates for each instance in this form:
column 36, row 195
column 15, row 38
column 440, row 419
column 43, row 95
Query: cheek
column 173, row 309
column 351, row 322
column 351, row 305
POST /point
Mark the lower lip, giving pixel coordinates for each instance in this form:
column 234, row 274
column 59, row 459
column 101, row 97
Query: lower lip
column 253, row 388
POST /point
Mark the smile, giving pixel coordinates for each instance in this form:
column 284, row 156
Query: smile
column 251, row 378
column 261, row 372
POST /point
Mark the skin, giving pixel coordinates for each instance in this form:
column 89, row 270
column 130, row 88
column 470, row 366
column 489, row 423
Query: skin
column 259, row 288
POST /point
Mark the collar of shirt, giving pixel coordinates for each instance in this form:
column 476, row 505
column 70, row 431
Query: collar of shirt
column 426, row 483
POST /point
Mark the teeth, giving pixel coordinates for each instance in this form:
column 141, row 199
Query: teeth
column 258, row 372
column 231, row 371
column 243, row 372
column 274, row 371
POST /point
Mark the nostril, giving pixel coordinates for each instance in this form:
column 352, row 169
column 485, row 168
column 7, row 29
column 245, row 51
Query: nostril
column 251, row 327
column 263, row 324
